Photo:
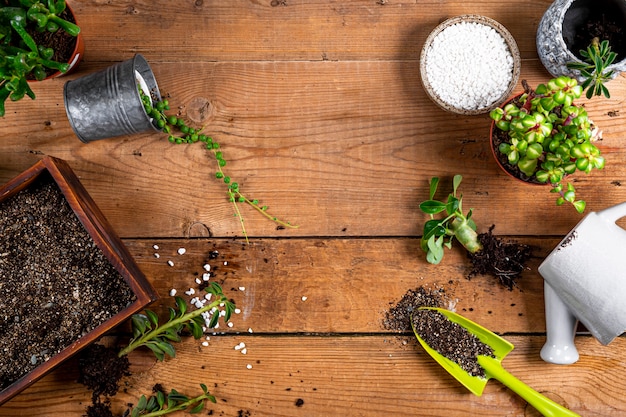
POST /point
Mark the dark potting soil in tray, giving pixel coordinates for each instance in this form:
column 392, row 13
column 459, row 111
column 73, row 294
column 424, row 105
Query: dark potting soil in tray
column 451, row 340
column 55, row 284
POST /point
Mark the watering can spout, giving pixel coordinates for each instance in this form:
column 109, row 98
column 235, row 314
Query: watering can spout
column 585, row 280
column 561, row 330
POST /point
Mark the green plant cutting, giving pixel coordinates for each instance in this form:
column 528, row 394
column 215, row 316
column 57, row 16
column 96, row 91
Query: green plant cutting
column 596, row 58
column 180, row 133
column 21, row 58
column 549, row 137
column 160, row 404
column 159, row 337
column 440, row 233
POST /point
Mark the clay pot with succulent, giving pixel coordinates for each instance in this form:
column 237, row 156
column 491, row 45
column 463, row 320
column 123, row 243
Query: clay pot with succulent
column 38, row 40
column 542, row 136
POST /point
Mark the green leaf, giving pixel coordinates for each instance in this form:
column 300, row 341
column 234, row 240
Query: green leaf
column 158, row 352
column 580, row 206
column 435, row 250
column 141, row 404
column 152, row 317
column 182, row 306
column 433, row 228
column 139, row 324
column 456, row 181
column 160, row 398
column 434, row 182
column 167, row 348
column 432, row 206
column 197, row 408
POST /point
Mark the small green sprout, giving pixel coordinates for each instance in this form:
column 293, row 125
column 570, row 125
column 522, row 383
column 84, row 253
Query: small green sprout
column 158, row 338
column 596, row 58
column 160, row 404
column 441, row 232
column 180, row 133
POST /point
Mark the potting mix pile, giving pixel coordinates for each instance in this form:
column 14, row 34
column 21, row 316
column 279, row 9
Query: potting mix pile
column 55, row 283
column 451, row 340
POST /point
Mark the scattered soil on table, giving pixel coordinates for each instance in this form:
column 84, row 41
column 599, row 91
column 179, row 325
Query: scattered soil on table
column 100, row 369
column 55, row 284
column 451, row 340
column 606, row 21
column 398, row 317
column 505, row 260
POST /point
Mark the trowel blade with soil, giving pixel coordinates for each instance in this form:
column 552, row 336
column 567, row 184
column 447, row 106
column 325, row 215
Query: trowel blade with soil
column 491, row 365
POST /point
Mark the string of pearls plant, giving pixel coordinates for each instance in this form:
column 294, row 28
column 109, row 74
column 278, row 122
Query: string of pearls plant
column 180, row 133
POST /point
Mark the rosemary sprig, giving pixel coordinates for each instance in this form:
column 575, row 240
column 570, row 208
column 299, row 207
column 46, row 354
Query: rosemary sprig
column 147, row 331
column 159, row 404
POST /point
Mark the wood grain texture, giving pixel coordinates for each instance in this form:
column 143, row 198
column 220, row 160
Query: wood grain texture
column 319, row 108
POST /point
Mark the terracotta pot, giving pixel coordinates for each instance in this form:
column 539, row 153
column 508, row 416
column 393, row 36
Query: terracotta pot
column 497, row 155
column 105, row 239
column 557, row 28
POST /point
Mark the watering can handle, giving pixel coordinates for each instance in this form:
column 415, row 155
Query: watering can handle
column 543, row 404
column 560, row 330
column 614, row 213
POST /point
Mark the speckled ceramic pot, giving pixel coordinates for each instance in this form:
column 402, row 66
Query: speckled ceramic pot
column 558, row 26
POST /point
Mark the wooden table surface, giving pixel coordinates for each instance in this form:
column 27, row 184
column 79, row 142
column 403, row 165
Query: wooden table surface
column 320, row 112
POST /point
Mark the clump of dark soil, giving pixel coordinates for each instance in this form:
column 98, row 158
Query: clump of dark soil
column 56, row 285
column 398, row 317
column 100, row 369
column 451, row 340
column 505, row 260
column 602, row 19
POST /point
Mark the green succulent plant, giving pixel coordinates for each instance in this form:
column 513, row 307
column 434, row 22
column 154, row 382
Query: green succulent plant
column 21, row 58
column 549, row 137
column 596, row 58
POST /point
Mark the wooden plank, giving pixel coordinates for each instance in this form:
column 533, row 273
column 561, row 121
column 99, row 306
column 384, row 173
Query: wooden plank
column 355, row 375
column 339, row 148
column 349, row 284
column 243, row 30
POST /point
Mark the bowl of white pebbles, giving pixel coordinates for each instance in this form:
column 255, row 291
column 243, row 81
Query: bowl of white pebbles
column 470, row 64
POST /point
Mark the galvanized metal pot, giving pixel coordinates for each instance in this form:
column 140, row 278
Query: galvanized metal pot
column 107, row 103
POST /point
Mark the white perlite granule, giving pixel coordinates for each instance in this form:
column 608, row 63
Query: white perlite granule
column 469, row 65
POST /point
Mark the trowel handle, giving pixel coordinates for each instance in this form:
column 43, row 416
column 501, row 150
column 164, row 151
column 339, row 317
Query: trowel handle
column 543, row 404
column 614, row 213
column 560, row 329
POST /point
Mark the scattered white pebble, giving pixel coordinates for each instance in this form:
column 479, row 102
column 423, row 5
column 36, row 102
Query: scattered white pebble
column 249, row 366
column 242, row 288
column 237, row 311
column 240, row 346
column 206, row 276
column 469, row 65
column 155, row 247
column 225, row 263
column 230, row 324
column 172, row 292
column 207, row 267
column 208, row 296
column 304, row 298
column 156, row 255
column 170, row 263
column 198, row 281
column 205, row 343
column 244, row 351
column 181, row 251
column 249, row 329
column 190, row 291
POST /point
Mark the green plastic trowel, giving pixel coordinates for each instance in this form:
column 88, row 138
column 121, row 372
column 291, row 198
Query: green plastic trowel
column 492, row 366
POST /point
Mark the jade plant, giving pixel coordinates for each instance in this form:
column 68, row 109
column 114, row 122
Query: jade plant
column 596, row 58
column 440, row 233
column 488, row 254
column 21, row 58
column 161, row 404
column 548, row 137
column 179, row 132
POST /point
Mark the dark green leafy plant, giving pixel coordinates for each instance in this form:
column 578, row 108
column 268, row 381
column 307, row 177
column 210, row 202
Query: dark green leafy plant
column 549, row 137
column 596, row 58
column 20, row 56
column 442, row 232
column 180, row 133
column 149, row 333
column 160, row 404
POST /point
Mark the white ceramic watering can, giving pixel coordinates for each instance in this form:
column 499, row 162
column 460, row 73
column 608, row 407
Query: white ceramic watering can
column 585, row 279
